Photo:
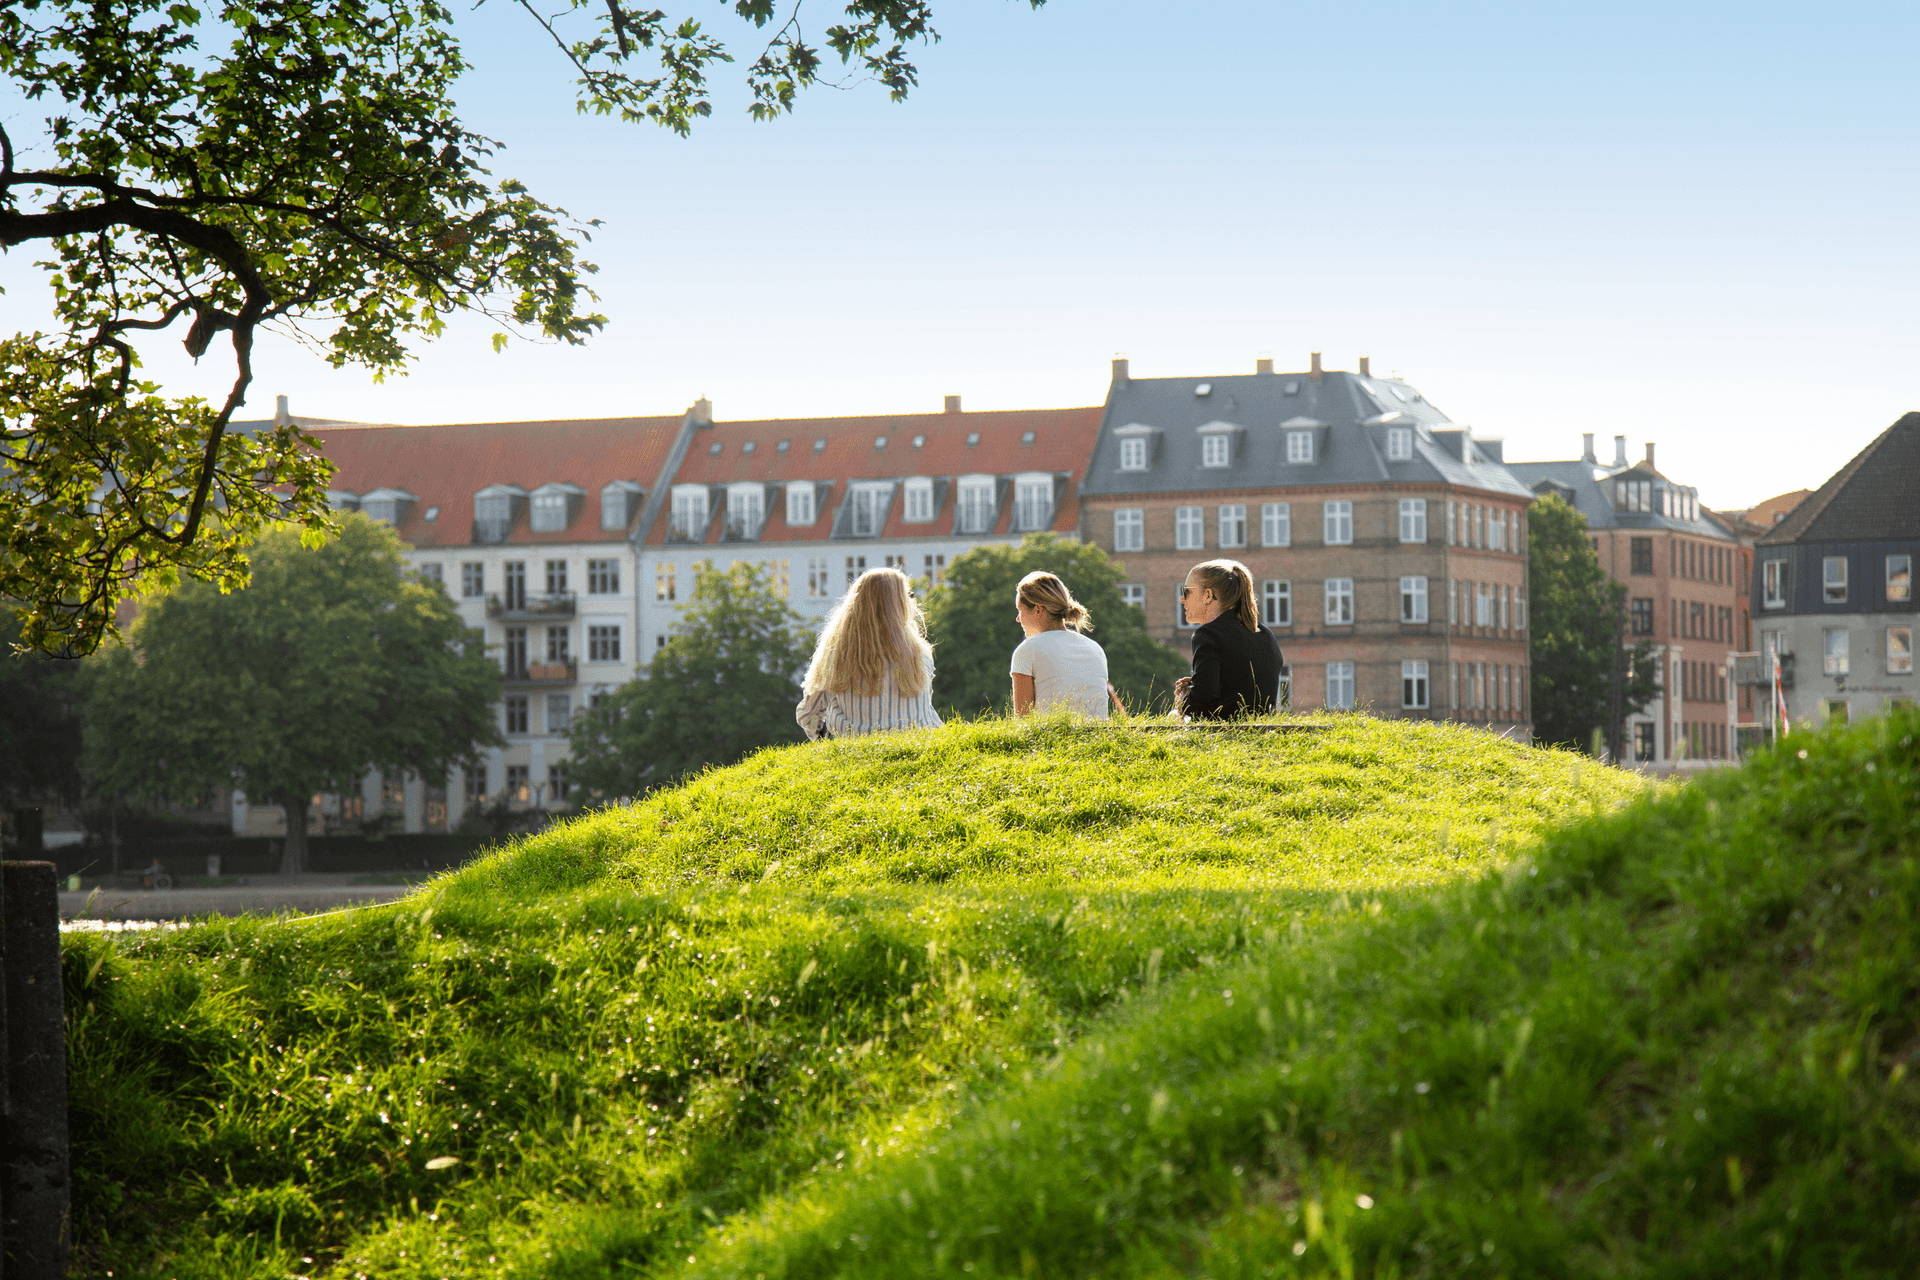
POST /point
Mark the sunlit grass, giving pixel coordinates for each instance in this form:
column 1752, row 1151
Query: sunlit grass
column 585, row 1054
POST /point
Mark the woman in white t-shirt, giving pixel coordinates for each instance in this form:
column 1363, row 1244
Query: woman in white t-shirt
column 1056, row 665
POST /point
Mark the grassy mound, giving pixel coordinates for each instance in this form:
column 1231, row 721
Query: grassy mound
column 734, row 1009
column 1675, row 1041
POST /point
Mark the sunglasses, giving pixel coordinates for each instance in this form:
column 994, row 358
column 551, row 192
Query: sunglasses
column 1185, row 590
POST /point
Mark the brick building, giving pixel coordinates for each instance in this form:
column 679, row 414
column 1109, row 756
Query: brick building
column 1388, row 545
column 1684, row 573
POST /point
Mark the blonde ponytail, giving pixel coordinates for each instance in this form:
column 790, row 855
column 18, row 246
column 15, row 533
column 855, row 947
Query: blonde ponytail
column 1232, row 586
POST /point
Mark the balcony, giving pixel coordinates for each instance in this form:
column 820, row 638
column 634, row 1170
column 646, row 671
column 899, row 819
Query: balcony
column 539, row 673
column 1752, row 669
column 532, row 608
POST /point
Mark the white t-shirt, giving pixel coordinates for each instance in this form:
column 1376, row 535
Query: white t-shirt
column 1066, row 668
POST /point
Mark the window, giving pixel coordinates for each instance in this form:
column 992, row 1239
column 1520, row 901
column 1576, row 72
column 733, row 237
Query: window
column 869, row 509
column 1643, row 741
column 1134, row 594
column 549, row 511
column 603, row 577
column 557, row 644
column 1299, row 446
column 1497, row 530
column 818, row 584
column 1479, row 526
column 1833, row 577
column 1899, row 651
column 516, row 585
column 936, row 570
column 1836, row 709
column 1338, row 518
column 556, row 577
column 1633, row 495
column 1339, row 686
column 518, row 788
column 1214, row 449
column 1450, row 541
column 919, row 501
column 603, row 643
column 1276, row 603
column 516, row 706
column 1399, row 444
column 1482, row 605
column 1133, row 454
column 879, row 442
column 1641, row 616
column 1233, row 524
column 1453, row 687
column 689, row 515
column 474, row 786
column 666, row 581
column 1453, row 603
column 1640, row 556
column 856, row 565
column 615, row 506
column 1899, row 578
column 919, row 442
column 1033, row 504
column 1276, row 524
column 800, row 504
column 744, row 506
column 1773, row 584
column 1413, row 685
column 973, row 438
column 1339, row 601
column 431, row 572
column 1413, row 519
column 557, row 773
column 1129, row 530
column 976, row 506
column 1413, row 599
column 1506, row 607
column 1188, row 530
column 779, row 576
column 1835, row 649
column 559, row 713
column 493, row 515
column 473, row 579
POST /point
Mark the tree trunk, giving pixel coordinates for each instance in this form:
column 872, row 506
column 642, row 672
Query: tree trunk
column 293, row 858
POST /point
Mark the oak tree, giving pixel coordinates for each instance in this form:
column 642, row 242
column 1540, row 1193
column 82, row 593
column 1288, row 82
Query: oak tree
column 331, row 662
column 297, row 164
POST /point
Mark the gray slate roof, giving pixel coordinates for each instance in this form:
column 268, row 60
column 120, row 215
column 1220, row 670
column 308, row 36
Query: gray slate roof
column 1875, row 497
column 1592, row 488
column 1353, row 415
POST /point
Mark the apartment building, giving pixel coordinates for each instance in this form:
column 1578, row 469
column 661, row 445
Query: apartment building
column 818, row 501
column 533, row 530
column 1685, row 575
column 1832, row 590
column 1387, row 543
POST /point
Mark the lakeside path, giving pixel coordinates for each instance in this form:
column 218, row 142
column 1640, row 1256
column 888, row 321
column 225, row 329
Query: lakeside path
column 262, row 895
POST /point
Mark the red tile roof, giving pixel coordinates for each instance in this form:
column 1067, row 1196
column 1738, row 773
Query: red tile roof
column 1063, row 441
column 444, row 466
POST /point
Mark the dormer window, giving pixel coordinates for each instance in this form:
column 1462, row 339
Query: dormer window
column 494, row 509
column 1399, row 444
column 975, row 504
column 745, row 504
column 1633, row 495
column 689, row 523
column 1133, row 454
column 390, row 506
column 618, row 504
column 1214, row 450
column 1299, row 446
column 919, row 501
column 552, row 507
column 1033, row 503
column 869, row 509
column 800, row 505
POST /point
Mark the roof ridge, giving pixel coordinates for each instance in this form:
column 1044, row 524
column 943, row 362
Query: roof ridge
column 1810, row 508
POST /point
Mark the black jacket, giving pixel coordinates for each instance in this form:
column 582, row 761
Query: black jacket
column 1236, row 672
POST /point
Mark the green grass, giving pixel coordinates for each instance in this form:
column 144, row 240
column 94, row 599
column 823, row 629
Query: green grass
column 585, row 1054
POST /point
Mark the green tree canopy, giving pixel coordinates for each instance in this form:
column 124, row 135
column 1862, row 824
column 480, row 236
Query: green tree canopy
column 300, row 164
column 724, row 686
column 330, row 663
column 1573, row 615
column 971, row 621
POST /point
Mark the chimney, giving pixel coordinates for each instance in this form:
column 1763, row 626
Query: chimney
column 1119, row 368
column 1263, row 365
column 1466, row 444
column 1366, row 370
column 1586, row 453
column 280, row 415
column 953, row 404
column 1313, row 374
column 1649, row 455
column 1619, row 451
column 702, row 412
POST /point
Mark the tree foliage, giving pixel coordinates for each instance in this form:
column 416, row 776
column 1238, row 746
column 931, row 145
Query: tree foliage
column 296, row 164
column 330, row 663
column 1573, row 613
column 971, row 621
column 725, row 685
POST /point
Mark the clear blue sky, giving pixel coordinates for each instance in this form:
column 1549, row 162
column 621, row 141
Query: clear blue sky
column 1690, row 223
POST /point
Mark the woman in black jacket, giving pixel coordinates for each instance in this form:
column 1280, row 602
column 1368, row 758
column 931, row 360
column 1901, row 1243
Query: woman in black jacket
column 1236, row 661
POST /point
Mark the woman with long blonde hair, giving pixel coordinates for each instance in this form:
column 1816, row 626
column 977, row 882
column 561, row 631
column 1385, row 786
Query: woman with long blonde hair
column 872, row 668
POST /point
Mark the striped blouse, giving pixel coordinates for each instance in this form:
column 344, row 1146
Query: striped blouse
column 849, row 715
